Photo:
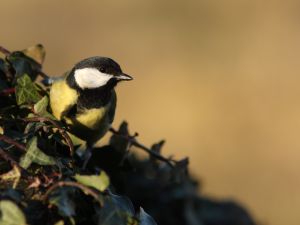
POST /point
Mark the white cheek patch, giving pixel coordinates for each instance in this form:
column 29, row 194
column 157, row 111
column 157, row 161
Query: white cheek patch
column 91, row 78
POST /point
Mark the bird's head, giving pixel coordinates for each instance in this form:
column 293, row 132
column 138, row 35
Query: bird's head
column 96, row 72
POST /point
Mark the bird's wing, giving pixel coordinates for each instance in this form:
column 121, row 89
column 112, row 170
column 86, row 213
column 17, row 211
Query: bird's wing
column 112, row 108
column 62, row 99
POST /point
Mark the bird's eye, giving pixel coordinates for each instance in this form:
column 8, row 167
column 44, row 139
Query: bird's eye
column 102, row 70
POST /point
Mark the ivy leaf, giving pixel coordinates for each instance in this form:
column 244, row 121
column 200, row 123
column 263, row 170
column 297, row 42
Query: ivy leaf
column 62, row 200
column 36, row 52
column 145, row 218
column 12, row 194
column 100, row 182
column 13, row 175
column 35, row 155
column 26, row 91
column 158, row 146
column 116, row 210
column 11, row 214
column 157, row 149
column 61, row 222
column 118, row 142
column 40, row 108
column 23, row 64
column 180, row 170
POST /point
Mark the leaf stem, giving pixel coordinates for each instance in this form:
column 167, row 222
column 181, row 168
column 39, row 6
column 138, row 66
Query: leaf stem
column 4, row 51
column 11, row 161
column 82, row 187
column 63, row 133
column 134, row 142
column 12, row 142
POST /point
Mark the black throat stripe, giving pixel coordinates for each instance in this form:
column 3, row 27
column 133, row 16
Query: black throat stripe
column 92, row 98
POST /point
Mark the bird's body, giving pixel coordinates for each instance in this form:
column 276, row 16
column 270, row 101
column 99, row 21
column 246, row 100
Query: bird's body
column 85, row 99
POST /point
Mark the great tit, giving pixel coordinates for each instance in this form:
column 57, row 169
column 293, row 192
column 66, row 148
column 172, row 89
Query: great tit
column 85, row 98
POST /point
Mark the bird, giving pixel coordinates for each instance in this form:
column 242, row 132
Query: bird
column 85, row 98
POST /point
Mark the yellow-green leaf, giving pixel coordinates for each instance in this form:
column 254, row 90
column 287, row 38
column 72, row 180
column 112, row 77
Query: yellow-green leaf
column 35, row 155
column 36, row 52
column 100, row 182
column 26, row 91
column 13, row 175
column 11, row 214
column 40, row 108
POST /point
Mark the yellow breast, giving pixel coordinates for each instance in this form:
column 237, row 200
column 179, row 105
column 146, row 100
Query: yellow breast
column 92, row 118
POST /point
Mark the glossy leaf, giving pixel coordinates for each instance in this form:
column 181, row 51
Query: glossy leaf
column 145, row 218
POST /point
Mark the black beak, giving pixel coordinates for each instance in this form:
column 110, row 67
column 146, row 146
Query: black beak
column 124, row 76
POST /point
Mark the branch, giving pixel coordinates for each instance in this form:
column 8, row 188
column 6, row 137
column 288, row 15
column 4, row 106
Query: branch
column 82, row 187
column 63, row 133
column 11, row 161
column 12, row 142
column 4, row 51
column 7, row 91
column 134, row 142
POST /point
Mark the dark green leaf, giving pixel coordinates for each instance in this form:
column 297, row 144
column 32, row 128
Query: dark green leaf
column 23, row 64
column 158, row 146
column 116, row 210
column 180, row 170
column 145, row 219
column 100, row 182
column 62, row 199
column 26, row 91
column 11, row 214
column 117, row 141
column 35, row 155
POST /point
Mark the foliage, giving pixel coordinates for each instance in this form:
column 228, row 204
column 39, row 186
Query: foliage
column 44, row 179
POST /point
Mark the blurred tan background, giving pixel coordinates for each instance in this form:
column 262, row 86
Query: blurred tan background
column 219, row 80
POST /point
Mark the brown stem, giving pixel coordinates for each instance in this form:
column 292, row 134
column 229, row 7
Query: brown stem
column 12, row 142
column 63, row 133
column 82, row 187
column 42, row 74
column 12, row 162
column 4, row 51
column 7, row 91
column 134, row 142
